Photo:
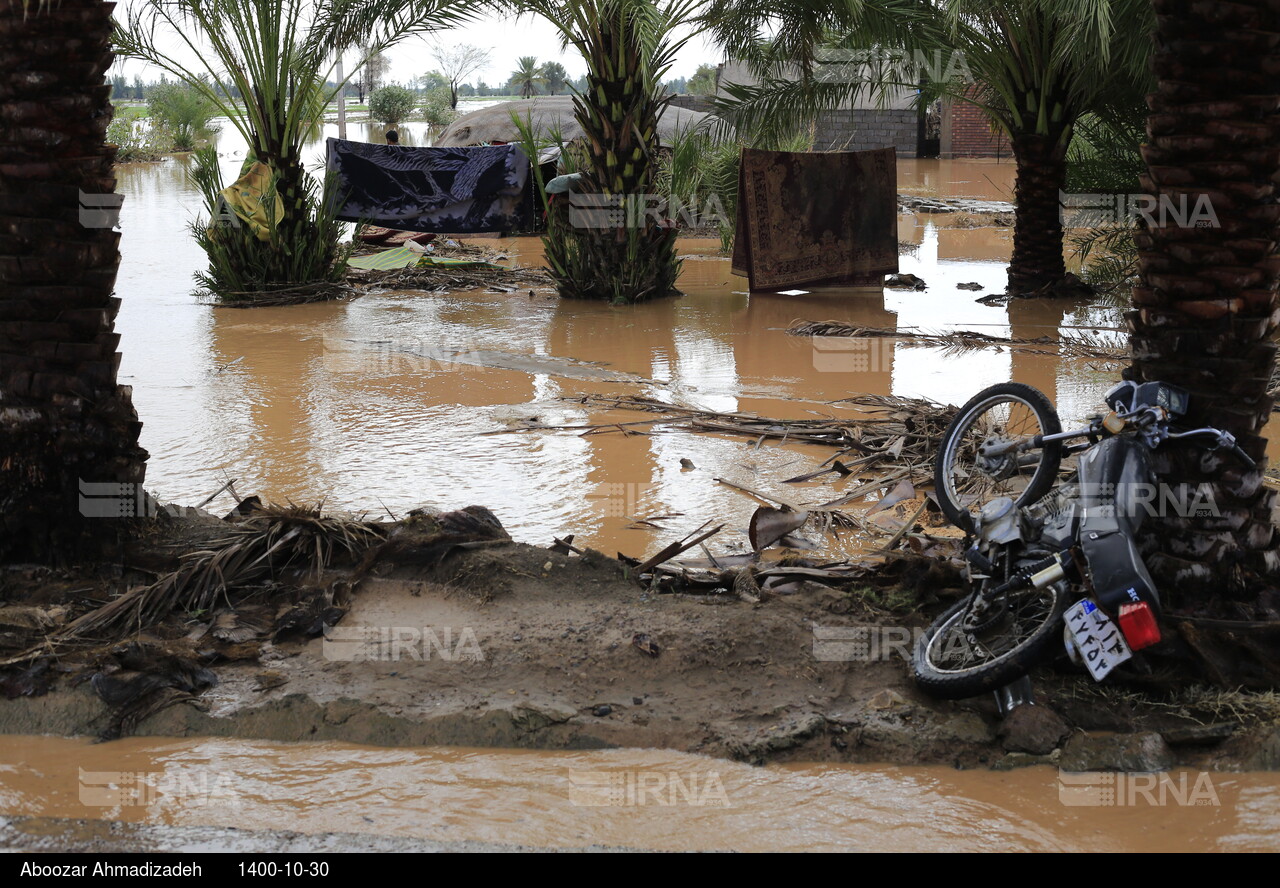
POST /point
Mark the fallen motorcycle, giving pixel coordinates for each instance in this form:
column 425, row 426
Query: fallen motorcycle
column 1048, row 562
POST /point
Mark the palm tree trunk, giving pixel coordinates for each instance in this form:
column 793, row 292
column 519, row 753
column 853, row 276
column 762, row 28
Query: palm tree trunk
column 63, row 417
column 1037, row 234
column 634, row 259
column 1206, row 302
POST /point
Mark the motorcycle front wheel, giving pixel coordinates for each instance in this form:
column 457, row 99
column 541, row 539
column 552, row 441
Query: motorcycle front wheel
column 967, row 477
column 952, row 662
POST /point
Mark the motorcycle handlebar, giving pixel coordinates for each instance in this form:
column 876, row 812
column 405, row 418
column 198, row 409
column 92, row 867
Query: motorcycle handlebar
column 1225, row 439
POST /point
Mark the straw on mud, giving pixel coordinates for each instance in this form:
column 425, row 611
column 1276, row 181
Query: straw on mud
column 257, row 549
column 455, row 278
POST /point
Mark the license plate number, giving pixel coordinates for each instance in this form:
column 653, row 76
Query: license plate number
column 1101, row 644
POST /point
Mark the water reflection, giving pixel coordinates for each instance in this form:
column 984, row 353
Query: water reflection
column 685, row 802
column 396, row 400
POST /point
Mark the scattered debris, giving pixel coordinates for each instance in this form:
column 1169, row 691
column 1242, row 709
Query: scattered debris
column 645, row 645
column 904, row 282
column 1091, row 343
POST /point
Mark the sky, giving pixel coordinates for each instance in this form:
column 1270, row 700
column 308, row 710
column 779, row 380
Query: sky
column 507, row 38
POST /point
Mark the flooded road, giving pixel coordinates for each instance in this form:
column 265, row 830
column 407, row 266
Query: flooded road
column 638, row 798
column 387, row 402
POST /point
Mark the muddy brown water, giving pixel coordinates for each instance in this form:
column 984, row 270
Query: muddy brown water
column 637, row 798
column 383, row 403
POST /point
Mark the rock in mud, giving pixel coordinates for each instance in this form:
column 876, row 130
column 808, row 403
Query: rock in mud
column 531, row 718
column 758, row 747
column 1198, row 735
column 1034, row 729
column 1014, row 760
column 1145, row 751
column 602, row 711
column 1258, row 749
column 904, row 282
column 886, row 699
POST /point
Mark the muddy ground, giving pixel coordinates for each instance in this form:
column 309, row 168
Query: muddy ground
column 510, row 645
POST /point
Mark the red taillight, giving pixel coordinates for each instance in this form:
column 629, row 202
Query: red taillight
column 1138, row 623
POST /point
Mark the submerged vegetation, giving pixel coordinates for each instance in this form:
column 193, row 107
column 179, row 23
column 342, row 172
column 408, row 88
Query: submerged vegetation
column 390, row 105
column 604, row 249
column 275, row 55
column 185, row 112
column 138, row 139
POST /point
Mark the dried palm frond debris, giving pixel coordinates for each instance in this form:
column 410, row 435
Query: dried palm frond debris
column 887, row 428
column 1089, row 344
column 318, row 291
column 886, row 445
column 445, row 277
column 261, row 547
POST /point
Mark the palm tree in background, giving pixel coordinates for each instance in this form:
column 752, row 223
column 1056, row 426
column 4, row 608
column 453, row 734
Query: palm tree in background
column 1033, row 67
column 611, row 252
column 1205, row 308
column 527, row 77
column 277, row 55
column 63, row 416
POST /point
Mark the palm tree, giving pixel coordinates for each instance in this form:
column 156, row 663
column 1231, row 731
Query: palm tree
column 63, row 417
column 612, row 252
column 1034, row 67
column 276, row 54
column 1205, row 306
column 527, row 77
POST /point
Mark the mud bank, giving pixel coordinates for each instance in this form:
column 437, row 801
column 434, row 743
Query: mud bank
column 515, row 646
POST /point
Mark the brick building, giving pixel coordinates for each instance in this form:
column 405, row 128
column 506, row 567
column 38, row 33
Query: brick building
column 966, row 132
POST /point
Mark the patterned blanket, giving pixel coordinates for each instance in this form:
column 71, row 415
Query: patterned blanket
column 449, row 190
column 816, row 217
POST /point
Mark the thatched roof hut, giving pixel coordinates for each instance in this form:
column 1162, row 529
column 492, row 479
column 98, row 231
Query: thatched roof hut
column 547, row 113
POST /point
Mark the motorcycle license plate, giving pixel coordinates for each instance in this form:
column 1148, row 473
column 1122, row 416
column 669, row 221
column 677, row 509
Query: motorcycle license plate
column 1098, row 639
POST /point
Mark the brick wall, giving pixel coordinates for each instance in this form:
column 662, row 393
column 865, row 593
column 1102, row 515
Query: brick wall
column 971, row 133
column 864, row 130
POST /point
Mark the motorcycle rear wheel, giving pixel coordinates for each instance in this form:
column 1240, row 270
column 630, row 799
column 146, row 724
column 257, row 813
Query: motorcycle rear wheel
column 952, row 664
column 1004, row 412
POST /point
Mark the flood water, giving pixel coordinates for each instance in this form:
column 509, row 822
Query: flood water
column 386, row 402
column 636, row 798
